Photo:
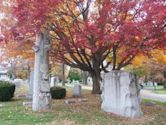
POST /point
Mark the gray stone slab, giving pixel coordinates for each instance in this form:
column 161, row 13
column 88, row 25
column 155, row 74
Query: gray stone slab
column 77, row 90
column 121, row 94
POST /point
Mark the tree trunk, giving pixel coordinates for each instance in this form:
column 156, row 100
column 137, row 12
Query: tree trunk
column 164, row 79
column 96, row 78
column 164, row 84
column 63, row 74
column 84, row 77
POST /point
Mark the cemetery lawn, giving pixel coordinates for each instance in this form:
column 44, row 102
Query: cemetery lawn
column 13, row 113
column 160, row 91
column 159, row 87
column 80, row 113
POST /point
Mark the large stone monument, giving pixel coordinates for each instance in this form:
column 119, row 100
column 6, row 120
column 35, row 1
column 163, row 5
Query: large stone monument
column 121, row 94
column 41, row 86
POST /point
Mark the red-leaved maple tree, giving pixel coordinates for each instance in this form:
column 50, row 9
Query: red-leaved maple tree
column 87, row 33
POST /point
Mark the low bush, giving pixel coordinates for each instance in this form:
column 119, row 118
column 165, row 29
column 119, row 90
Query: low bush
column 58, row 92
column 6, row 90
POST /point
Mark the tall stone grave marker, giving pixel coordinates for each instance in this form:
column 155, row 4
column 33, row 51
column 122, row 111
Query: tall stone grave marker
column 121, row 94
column 41, row 86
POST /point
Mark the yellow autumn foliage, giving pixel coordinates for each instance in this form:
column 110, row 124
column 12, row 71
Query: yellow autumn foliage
column 156, row 55
column 139, row 61
column 159, row 56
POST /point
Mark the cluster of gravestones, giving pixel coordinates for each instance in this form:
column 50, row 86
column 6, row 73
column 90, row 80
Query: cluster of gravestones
column 54, row 82
column 120, row 91
column 76, row 94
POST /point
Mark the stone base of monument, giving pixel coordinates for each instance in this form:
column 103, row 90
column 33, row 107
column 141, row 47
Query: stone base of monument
column 43, row 101
column 28, row 104
column 121, row 94
column 74, row 100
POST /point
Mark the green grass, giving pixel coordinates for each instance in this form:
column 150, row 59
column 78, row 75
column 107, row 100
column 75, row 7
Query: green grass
column 154, row 101
column 161, row 91
column 91, row 114
column 13, row 113
column 159, row 87
column 156, row 89
column 85, row 113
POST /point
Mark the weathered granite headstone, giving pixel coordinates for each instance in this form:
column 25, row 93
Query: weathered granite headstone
column 30, row 94
column 121, row 94
column 41, row 86
column 77, row 90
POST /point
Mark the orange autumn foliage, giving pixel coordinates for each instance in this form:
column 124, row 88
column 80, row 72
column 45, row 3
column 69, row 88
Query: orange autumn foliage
column 15, row 49
column 157, row 56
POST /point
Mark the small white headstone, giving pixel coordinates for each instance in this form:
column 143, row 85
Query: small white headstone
column 54, row 81
column 18, row 82
column 89, row 81
column 77, row 90
column 149, row 83
column 155, row 84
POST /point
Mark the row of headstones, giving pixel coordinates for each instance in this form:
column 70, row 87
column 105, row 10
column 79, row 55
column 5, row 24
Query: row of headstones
column 76, row 93
column 54, row 81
